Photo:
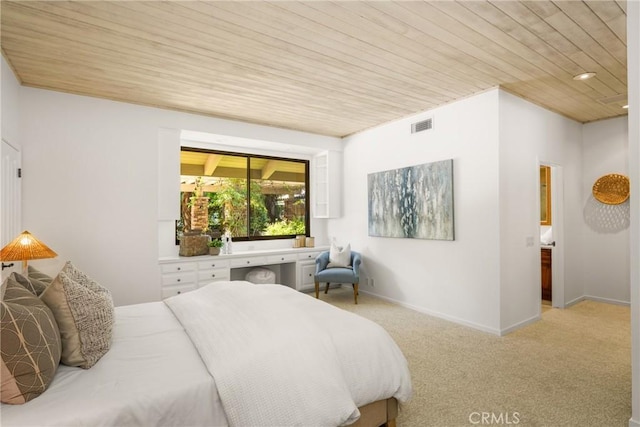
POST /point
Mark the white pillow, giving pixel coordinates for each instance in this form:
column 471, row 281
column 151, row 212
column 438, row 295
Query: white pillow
column 339, row 257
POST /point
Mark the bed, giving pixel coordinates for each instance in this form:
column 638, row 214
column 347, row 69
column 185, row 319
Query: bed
column 230, row 353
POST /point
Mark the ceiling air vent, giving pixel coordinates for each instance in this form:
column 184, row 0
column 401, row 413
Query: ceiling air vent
column 422, row 126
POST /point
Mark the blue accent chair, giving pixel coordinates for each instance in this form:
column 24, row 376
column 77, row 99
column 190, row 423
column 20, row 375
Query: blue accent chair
column 338, row 274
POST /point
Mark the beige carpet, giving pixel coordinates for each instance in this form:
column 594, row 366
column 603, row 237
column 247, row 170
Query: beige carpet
column 572, row 368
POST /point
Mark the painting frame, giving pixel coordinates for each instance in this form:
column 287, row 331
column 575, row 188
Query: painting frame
column 414, row 202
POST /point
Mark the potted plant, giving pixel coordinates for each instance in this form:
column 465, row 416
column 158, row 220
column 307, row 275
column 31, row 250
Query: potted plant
column 214, row 246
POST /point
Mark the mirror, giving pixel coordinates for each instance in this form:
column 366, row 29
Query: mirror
column 545, row 195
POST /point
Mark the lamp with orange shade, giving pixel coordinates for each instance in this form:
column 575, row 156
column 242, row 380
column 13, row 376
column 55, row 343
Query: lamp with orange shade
column 25, row 247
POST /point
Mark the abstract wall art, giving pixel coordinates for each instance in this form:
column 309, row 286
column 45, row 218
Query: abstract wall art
column 413, row 202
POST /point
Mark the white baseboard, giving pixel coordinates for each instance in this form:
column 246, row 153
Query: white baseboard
column 597, row 299
column 607, row 300
column 483, row 328
column 519, row 325
column 453, row 319
column 634, row 423
column 574, row 301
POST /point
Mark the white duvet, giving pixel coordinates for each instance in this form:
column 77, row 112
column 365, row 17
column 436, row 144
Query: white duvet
column 151, row 376
column 280, row 357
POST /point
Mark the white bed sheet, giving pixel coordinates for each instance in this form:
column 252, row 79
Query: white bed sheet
column 151, row 376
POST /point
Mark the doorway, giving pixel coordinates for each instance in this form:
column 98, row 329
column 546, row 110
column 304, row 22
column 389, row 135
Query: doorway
column 551, row 208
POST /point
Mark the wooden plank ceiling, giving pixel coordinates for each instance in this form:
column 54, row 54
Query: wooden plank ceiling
column 327, row 67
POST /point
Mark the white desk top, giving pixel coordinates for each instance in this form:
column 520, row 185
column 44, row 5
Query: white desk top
column 244, row 254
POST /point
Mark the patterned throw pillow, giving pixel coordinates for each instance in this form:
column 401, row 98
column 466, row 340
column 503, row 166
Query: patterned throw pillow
column 30, row 344
column 84, row 312
column 33, row 273
column 34, row 286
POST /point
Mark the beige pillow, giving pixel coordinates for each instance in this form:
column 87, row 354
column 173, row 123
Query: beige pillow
column 30, row 344
column 33, row 273
column 34, row 286
column 84, row 312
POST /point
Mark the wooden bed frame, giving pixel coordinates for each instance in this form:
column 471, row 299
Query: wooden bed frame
column 379, row 413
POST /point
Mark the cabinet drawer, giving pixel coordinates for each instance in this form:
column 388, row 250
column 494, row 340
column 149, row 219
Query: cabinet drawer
column 171, row 291
column 179, row 279
column 177, row 267
column 307, row 277
column 208, row 276
column 275, row 259
column 308, row 255
column 308, row 273
column 214, row 263
column 248, row 262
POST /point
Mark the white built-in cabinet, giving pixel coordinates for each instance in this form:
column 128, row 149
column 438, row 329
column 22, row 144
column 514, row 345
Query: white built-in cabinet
column 306, row 271
column 293, row 267
column 326, row 184
column 186, row 274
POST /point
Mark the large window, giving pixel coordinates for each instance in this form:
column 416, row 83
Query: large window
column 252, row 197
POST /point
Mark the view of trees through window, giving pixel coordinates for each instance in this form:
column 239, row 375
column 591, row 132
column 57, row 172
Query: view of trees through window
column 252, row 197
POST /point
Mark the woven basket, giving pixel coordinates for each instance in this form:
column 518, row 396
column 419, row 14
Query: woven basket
column 611, row 189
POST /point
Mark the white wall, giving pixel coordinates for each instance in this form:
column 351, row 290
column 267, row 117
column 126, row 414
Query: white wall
column 606, row 232
column 10, row 108
column 91, row 182
column 488, row 277
column 458, row 280
column 530, row 135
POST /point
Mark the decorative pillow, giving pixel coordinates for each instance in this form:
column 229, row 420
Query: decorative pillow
column 30, row 344
column 34, row 286
column 32, row 273
column 339, row 257
column 84, row 312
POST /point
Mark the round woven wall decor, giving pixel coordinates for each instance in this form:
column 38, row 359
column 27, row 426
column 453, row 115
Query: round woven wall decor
column 611, row 189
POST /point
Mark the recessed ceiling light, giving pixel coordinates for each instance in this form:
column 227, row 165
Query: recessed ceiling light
column 625, row 106
column 584, row 76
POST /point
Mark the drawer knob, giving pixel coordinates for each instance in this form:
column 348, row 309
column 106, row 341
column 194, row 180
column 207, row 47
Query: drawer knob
column 179, row 292
column 213, row 265
column 282, row 258
column 213, row 275
column 178, row 268
column 248, row 262
column 178, row 280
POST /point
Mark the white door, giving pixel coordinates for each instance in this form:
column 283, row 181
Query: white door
column 10, row 202
column 557, row 253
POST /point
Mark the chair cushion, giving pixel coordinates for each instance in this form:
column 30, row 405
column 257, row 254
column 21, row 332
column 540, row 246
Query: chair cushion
column 336, row 275
column 333, row 265
column 261, row 276
column 339, row 257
